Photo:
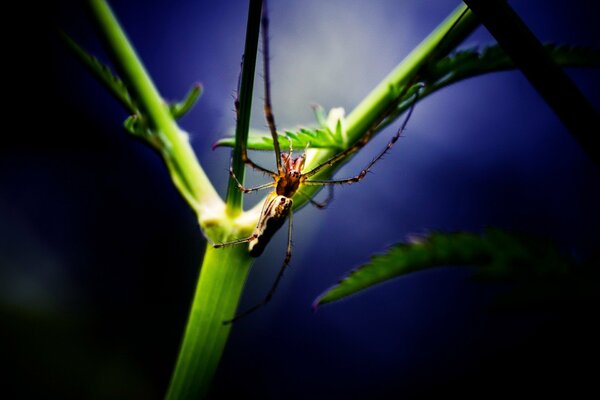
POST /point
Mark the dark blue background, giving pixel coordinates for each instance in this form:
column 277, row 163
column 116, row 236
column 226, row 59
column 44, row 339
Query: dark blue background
column 99, row 255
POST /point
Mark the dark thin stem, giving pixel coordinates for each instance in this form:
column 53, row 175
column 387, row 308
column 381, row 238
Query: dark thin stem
column 234, row 196
column 561, row 94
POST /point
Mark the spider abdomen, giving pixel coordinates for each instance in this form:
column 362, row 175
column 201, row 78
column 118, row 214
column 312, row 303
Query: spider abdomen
column 275, row 210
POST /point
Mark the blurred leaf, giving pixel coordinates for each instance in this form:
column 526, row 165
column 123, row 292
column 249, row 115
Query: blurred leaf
column 472, row 62
column 136, row 125
column 181, row 108
column 498, row 254
column 103, row 73
column 133, row 125
column 320, row 115
column 469, row 63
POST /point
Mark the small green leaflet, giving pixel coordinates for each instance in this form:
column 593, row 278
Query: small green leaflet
column 314, row 138
column 134, row 124
column 472, row 62
column 103, row 73
column 498, row 254
column 181, row 108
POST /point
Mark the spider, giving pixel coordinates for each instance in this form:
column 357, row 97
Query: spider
column 289, row 177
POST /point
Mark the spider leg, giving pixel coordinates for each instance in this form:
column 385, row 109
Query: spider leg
column 323, row 204
column 354, row 148
column 234, row 242
column 340, row 156
column 245, row 189
column 268, row 108
column 252, row 164
column 286, row 261
column 244, row 149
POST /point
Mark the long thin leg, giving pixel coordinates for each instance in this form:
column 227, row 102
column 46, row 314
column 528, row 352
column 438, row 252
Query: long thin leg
column 286, row 261
column 233, row 242
column 251, row 163
column 364, row 172
column 340, row 156
column 245, row 189
column 358, row 145
column 268, row 108
column 323, row 204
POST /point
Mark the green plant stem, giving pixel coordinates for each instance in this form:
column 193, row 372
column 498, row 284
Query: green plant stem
column 188, row 174
column 223, row 271
column 451, row 32
column 218, row 291
column 551, row 82
column 447, row 36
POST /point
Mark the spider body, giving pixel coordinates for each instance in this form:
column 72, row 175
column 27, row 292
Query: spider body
column 275, row 211
column 288, row 178
column 278, row 204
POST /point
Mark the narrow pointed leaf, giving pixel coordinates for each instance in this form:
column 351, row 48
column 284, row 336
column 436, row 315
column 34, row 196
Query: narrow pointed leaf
column 498, row 254
column 103, row 73
column 472, row 62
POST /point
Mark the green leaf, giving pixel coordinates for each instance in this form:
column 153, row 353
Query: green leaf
column 472, row 62
column 476, row 61
column 103, row 73
column 181, row 108
column 498, row 254
column 137, row 126
column 134, row 125
column 304, row 137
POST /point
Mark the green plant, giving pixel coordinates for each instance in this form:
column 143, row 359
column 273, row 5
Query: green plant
column 223, row 271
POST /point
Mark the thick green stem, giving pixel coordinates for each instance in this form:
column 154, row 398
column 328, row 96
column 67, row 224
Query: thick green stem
column 219, row 289
column 178, row 152
column 223, row 271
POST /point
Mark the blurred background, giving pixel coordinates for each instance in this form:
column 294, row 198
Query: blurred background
column 99, row 255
